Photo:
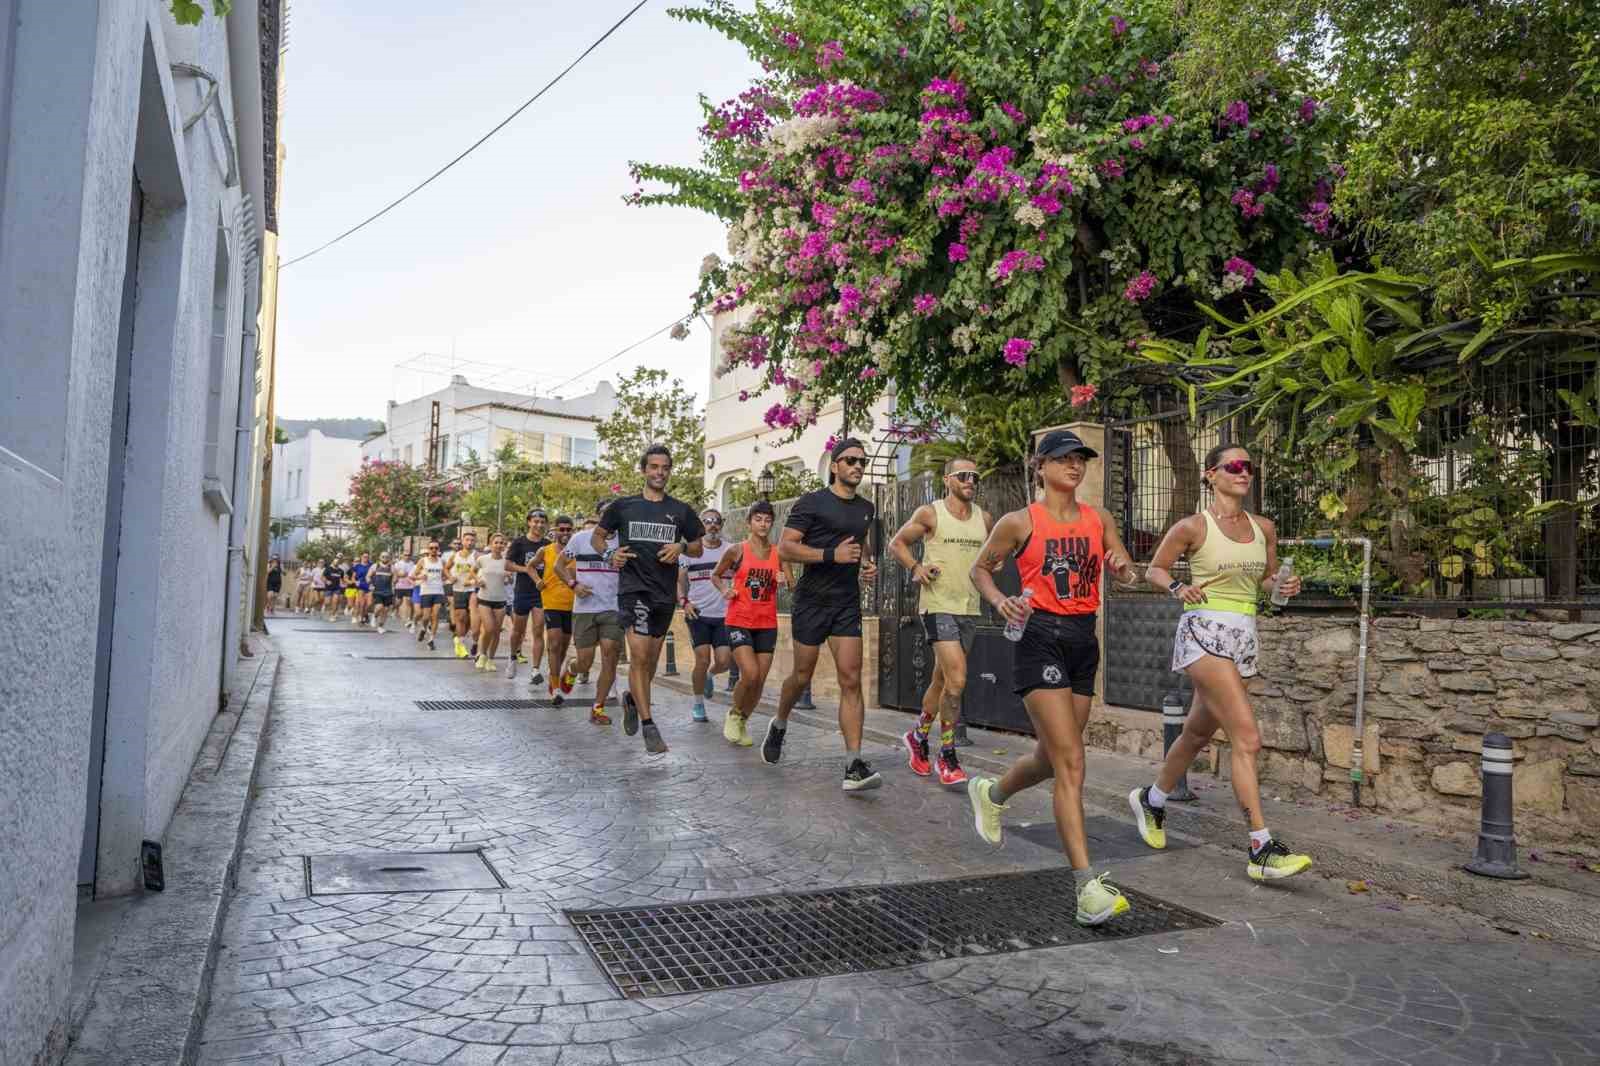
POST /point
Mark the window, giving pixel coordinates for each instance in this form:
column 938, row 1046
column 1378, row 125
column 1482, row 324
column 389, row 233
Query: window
column 408, row 455
column 557, row 448
column 470, row 445
column 585, row 452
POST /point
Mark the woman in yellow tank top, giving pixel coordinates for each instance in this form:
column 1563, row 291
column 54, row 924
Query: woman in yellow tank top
column 1233, row 556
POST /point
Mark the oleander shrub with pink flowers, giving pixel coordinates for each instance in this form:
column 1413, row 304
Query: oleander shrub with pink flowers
column 388, row 498
column 967, row 199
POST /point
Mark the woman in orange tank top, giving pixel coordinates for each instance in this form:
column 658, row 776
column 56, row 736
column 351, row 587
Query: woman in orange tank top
column 1061, row 547
column 752, row 595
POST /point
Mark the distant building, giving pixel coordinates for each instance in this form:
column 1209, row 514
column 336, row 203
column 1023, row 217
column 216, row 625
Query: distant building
column 306, row 472
column 740, row 445
column 477, row 421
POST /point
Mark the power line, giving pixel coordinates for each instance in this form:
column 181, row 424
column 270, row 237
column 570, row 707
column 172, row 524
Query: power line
column 619, row 355
column 475, row 144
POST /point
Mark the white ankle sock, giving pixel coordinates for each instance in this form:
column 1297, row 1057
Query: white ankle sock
column 1156, row 797
column 1259, row 838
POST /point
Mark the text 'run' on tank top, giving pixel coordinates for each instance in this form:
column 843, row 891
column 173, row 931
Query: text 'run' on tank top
column 1229, row 572
column 1061, row 561
column 755, row 586
column 953, row 547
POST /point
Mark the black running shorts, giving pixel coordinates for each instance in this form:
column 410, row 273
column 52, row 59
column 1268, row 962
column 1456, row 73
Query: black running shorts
column 760, row 641
column 642, row 615
column 561, row 620
column 813, row 623
column 1056, row 651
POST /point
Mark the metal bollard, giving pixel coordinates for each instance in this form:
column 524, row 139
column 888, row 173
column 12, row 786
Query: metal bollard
column 671, row 653
column 1172, row 715
column 804, row 702
column 1497, row 845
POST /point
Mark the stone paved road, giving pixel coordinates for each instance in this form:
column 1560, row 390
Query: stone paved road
column 574, row 816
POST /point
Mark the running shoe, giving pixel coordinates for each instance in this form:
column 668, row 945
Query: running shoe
column 917, row 753
column 772, row 746
column 861, row 776
column 699, row 713
column 950, row 771
column 652, row 739
column 730, row 727
column 536, row 679
column 745, row 739
column 1274, row 861
column 598, row 715
column 461, row 649
column 567, row 680
column 557, row 699
column 985, row 811
column 422, row 635
column 431, row 646
column 521, row 658
column 474, row 648
column 1099, row 902
column 481, row 663
column 511, row 669
column 583, row 679
column 630, row 714
column 382, row 631
column 710, row 688
column 1148, row 819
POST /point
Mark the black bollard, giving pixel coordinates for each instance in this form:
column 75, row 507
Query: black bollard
column 962, row 740
column 804, row 702
column 1172, row 715
column 671, row 654
column 1497, row 844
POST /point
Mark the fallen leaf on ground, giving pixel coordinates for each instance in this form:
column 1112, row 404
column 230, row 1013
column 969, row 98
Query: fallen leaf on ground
column 1409, row 897
column 1541, row 936
column 1356, row 886
column 1168, row 951
column 999, row 751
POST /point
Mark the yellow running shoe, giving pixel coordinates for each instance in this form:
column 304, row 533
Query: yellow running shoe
column 985, row 812
column 1274, row 861
column 461, row 649
column 1099, row 902
column 730, row 727
column 1147, row 818
column 745, row 740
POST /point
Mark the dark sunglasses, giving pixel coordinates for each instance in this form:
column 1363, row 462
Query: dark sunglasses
column 1237, row 467
column 852, row 460
column 968, row 476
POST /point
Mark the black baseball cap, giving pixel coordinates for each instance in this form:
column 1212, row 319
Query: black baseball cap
column 1059, row 442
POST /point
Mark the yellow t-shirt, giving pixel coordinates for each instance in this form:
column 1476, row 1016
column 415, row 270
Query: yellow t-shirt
column 556, row 594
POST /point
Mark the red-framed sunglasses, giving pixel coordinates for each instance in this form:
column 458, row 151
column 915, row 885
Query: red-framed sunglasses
column 1237, row 467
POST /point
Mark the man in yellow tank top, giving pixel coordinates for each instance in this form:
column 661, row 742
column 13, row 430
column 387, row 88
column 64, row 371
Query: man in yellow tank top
column 952, row 532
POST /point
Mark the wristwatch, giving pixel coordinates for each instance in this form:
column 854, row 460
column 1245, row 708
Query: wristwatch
column 1175, row 586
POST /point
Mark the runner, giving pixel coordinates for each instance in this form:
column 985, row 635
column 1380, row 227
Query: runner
column 462, row 565
column 404, row 585
column 952, row 532
column 303, row 581
column 827, row 531
column 274, row 584
column 319, row 587
column 752, row 619
column 594, row 611
column 704, row 608
column 333, row 587
column 1232, row 555
column 526, row 603
column 363, row 599
column 494, row 581
column 450, row 587
column 654, row 530
column 381, row 578
column 352, row 595
column 430, row 593
column 556, row 593
column 1061, row 546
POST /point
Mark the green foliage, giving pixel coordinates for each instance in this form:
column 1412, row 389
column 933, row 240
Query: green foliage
column 190, row 12
column 652, row 411
column 320, row 550
column 787, row 484
column 503, row 493
column 391, row 499
column 279, row 436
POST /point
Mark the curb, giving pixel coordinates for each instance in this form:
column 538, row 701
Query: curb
column 1524, row 904
column 148, row 1003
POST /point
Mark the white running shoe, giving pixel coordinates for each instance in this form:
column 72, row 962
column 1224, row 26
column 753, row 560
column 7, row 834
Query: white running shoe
column 511, row 669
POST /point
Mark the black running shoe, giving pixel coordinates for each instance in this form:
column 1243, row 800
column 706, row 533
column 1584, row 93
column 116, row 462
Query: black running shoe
column 536, row 679
column 630, row 715
column 474, row 649
column 861, row 776
column 422, row 634
column 652, row 739
column 430, row 644
column 772, row 746
column 556, row 699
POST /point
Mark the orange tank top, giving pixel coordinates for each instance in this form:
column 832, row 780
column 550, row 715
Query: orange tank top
column 1061, row 561
column 755, row 588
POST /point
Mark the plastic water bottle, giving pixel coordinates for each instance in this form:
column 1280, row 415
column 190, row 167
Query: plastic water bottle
column 1286, row 571
column 1014, row 629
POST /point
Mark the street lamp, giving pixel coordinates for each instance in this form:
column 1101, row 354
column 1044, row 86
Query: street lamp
column 766, row 483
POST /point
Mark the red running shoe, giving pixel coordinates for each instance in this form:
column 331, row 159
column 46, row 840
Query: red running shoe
column 917, row 754
column 567, row 680
column 950, row 771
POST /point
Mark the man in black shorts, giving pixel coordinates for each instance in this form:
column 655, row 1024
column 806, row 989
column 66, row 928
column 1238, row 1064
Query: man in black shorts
column 654, row 529
column 827, row 531
column 521, row 559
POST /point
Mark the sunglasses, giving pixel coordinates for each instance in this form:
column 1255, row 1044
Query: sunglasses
column 970, row 477
column 852, row 460
column 1237, row 467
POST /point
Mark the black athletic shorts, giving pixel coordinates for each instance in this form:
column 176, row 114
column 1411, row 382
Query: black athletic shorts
column 463, row 600
column 760, row 641
column 642, row 615
column 561, row 620
column 493, row 605
column 710, row 631
column 813, row 623
column 431, row 599
column 525, row 603
column 939, row 627
column 1056, row 651
column 382, row 599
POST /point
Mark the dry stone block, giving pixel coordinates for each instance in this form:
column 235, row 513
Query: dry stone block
column 1529, row 653
column 1337, row 740
column 1282, row 728
column 1457, row 779
column 1398, row 790
column 1584, row 767
column 1464, row 682
column 1441, row 664
column 1583, row 800
column 1538, row 786
column 1581, row 718
column 1396, row 653
column 1523, row 709
column 1573, row 630
column 1394, row 622
column 1409, row 680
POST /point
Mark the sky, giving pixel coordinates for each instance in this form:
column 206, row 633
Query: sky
column 523, row 255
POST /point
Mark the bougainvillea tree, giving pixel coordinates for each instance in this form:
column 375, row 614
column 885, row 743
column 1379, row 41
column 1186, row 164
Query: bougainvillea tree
column 969, row 198
column 388, row 499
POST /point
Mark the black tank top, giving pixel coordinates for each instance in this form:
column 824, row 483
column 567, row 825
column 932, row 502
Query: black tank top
column 381, row 578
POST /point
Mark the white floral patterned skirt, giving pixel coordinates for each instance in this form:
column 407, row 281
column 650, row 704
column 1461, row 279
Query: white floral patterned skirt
column 1225, row 634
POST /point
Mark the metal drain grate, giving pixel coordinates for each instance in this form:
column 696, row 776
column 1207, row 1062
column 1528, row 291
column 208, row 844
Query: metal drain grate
column 399, row 871
column 730, row 943
column 489, row 705
column 1110, row 839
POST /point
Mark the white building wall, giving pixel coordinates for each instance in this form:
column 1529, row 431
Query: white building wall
column 467, row 411
column 305, row 472
column 89, row 100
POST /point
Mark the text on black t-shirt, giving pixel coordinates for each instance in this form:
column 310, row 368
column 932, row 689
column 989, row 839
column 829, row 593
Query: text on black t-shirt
column 646, row 526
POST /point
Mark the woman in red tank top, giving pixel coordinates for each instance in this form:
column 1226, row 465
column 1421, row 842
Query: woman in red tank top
column 1061, row 547
column 752, row 621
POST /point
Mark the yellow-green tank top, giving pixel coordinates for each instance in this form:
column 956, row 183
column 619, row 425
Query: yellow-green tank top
column 1230, row 572
column 953, row 547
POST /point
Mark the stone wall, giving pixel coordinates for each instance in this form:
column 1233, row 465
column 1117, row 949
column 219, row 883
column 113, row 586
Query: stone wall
column 1434, row 687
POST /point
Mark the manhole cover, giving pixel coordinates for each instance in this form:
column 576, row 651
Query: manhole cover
column 1110, row 839
column 696, row 947
column 488, row 705
column 399, row 871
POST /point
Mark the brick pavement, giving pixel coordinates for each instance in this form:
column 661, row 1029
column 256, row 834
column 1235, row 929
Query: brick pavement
column 575, row 816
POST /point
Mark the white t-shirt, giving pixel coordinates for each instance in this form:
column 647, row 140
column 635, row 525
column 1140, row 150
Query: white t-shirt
column 495, row 579
column 432, row 574
column 593, row 572
column 702, row 591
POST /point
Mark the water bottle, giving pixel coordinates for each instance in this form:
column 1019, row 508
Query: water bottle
column 1014, row 629
column 1286, row 571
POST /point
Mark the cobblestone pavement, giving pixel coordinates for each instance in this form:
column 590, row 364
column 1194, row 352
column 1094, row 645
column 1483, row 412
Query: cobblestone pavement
column 573, row 816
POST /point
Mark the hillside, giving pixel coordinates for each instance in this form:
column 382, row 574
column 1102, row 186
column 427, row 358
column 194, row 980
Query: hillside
column 345, row 428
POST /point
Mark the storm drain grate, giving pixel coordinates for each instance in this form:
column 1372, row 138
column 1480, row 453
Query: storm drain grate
column 399, row 871
column 731, row 943
column 487, row 705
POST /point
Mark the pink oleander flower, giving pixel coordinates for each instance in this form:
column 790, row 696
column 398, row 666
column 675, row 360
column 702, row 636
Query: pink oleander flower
column 1119, row 25
column 1083, row 394
column 616, row 490
column 790, row 41
column 867, row 374
column 830, row 53
column 1018, row 260
column 1016, row 351
column 1242, row 268
column 925, row 303
column 1140, row 287
column 744, row 394
column 1048, row 203
column 958, row 253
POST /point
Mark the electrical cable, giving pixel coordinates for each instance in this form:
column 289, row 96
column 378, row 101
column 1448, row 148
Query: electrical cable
column 475, row 144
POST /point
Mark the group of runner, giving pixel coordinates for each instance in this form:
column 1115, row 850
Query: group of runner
column 619, row 578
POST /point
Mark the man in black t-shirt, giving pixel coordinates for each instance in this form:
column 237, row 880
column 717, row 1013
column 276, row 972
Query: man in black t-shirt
column 333, row 587
column 522, row 559
column 653, row 530
column 828, row 532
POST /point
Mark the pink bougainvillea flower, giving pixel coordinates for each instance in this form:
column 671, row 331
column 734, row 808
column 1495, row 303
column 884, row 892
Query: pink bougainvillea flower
column 1243, row 268
column 958, row 253
column 925, row 303
column 1016, row 351
column 1083, row 394
column 1136, row 143
column 1236, row 114
column 1308, row 109
column 830, row 53
column 1140, row 287
column 1119, row 25
column 867, row 374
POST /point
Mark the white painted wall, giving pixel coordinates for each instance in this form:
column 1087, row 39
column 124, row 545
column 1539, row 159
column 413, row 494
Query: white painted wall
column 304, row 473
column 480, row 416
